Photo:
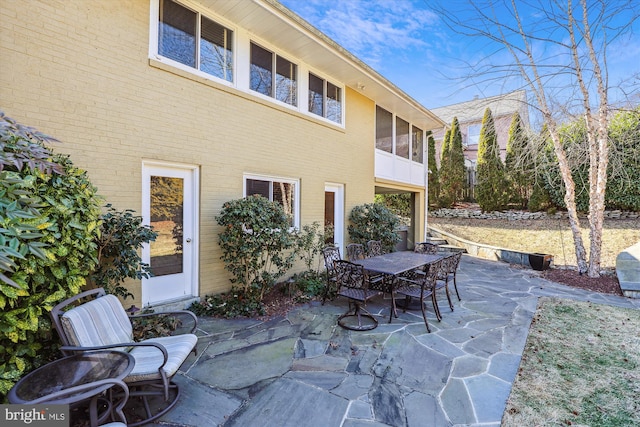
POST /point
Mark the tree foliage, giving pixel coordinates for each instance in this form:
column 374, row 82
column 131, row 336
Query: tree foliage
column 433, row 180
column 452, row 169
column 49, row 219
column 374, row 221
column 491, row 187
column 623, row 174
column 257, row 247
column 519, row 165
column 559, row 50
column 122, row 235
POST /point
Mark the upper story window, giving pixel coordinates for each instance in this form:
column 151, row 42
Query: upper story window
column 417, row 144
column 325, row 99
column 402, row 138
column 264, row 80
column 473, row 134
column 384, row 130
column 194, row 40
column 281, row 190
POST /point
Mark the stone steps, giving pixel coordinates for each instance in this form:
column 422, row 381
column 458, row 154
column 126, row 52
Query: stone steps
column 628, row 271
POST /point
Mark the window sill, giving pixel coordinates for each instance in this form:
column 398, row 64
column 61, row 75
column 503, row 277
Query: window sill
column 158, row 64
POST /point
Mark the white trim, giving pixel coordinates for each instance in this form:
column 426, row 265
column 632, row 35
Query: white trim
column 338, row 213
column 242, row 39
column 194, row 194
column 154, row 19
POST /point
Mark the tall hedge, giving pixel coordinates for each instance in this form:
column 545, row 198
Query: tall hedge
column 452, row 169
column 433, row 180
column 49, row 217
column 518, row 164
column 491, row 189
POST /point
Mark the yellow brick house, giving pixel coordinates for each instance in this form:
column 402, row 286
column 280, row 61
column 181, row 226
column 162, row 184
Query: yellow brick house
column 214, row 100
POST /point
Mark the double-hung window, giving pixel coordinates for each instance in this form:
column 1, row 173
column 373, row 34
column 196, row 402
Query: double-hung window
column 281, row 85
column 187, row 37
column 281, row 190
column 325, row 99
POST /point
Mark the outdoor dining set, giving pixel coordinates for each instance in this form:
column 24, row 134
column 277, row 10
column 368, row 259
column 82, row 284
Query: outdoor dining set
column 129, row 382
column 410, row 278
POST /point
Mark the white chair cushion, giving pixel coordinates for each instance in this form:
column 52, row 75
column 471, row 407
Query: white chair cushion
column 148, row 358
column 102, row 321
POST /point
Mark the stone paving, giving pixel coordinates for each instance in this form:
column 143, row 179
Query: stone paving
column 304, row 370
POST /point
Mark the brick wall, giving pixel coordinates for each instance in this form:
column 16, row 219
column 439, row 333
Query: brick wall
column 79, row 70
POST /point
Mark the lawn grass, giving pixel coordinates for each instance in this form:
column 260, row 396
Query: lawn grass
column 580, row 367
column 549, row 236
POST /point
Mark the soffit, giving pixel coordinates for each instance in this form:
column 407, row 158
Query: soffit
column 272, row 22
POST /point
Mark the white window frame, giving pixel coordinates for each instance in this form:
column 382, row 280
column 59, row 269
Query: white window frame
column 274, row 75
column 325, row 82
column 154, row 35
column 272, row 179
column 468, row 138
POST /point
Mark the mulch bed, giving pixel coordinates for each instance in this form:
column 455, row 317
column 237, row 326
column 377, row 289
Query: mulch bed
column 607, row 283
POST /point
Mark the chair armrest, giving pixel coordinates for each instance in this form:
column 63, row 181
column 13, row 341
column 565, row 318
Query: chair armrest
column 159, row 346
column 179, row 313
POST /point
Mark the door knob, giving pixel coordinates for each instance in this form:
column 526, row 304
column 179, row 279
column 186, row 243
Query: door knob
column 188, row 240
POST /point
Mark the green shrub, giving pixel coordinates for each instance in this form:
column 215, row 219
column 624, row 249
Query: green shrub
column 237, row 302
column 374, row 221
column 121, row 237
column 257, row 247
column 49, row 219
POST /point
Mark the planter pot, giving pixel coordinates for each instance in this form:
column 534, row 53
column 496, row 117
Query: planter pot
column 540, row 261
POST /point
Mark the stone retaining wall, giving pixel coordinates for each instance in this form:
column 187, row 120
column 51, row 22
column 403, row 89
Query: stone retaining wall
column 521, row 215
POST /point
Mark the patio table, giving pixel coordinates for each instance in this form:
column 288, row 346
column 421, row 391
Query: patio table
column 395, row 263
column 75, row 379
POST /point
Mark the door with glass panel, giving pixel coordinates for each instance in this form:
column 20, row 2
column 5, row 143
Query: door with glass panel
column 170, row 207
column 334, row 213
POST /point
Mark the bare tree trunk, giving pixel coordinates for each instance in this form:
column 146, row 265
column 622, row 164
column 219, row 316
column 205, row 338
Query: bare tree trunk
column 597, row 135
column 569, row 197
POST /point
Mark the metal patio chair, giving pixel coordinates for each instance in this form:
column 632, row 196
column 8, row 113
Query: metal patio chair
column 421, row 288
column 353, row 284
column 374, row 248
column 330, row 254
column 355, row 251
column 102, row 323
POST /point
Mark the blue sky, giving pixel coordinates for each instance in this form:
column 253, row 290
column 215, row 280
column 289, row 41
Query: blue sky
column 408, row 43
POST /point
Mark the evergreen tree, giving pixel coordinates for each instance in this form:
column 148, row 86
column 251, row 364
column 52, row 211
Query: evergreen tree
column 490, row 190
column 445, row 171
column 433, row 179
column 457, row 171
column 519, row 168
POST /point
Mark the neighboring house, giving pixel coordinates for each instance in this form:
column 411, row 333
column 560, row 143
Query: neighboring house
column 470, row 116
column 174, row 107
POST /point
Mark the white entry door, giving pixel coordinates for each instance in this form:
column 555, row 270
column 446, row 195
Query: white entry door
column 334, row 212
column 170, row 207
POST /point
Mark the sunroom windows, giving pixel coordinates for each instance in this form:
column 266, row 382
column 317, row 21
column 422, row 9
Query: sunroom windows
column 194, row 40
column 281, row 190
column 394, row 135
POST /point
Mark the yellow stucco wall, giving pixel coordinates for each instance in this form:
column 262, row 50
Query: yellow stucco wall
column 79, row 70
